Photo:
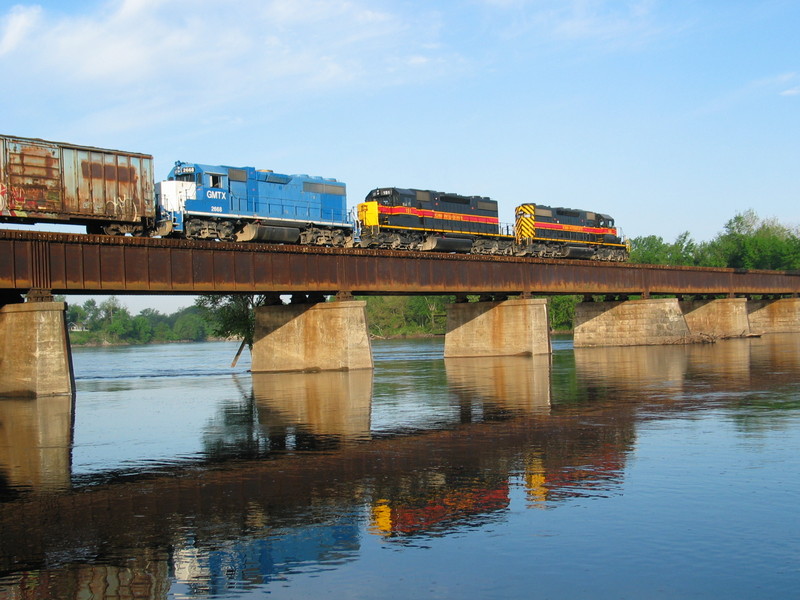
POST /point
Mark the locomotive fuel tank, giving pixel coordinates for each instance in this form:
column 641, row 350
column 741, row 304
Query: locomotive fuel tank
column 55, row 182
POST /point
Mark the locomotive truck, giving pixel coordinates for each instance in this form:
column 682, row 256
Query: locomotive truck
column 113, row 192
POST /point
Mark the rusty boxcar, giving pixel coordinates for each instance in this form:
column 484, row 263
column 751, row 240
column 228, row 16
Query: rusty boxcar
column 108, row 191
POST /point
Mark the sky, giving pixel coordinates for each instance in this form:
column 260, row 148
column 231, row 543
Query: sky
column 669, row 115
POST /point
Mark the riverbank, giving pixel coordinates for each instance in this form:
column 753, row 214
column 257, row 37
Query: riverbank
column 109, row 344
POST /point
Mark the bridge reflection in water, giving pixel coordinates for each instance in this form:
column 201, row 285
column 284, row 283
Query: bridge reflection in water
column 310, row 410
column 554, row 431
column 35, row 444
column 670, row 374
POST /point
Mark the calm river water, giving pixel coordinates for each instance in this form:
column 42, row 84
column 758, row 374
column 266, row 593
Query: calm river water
column 650, row 472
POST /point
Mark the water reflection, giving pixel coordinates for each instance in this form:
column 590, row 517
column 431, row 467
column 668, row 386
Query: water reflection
column 327, row 484
column 605, row 372
column 310, row 410
column 516, row 384
column 35, row 444
column 752, row 383
column 776, row 357
column 143, row 575
column 269, row 555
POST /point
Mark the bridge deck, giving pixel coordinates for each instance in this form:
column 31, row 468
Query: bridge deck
column 76, row 263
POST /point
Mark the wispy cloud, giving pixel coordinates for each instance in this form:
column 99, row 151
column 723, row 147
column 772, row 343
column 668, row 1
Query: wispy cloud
column 599, row 21
column 190, row 55
column 781, row 81
column 16, row 25
column 757, row 89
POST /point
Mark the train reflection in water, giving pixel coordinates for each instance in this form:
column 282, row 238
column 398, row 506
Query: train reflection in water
column 526, row 434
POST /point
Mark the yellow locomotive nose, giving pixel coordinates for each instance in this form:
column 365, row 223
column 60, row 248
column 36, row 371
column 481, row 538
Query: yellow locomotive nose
column 368, row 214
column 525, row 222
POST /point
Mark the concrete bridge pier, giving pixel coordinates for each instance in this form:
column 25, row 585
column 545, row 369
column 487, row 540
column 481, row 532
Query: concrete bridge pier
column 35, row 357
column 720, row 318
column 501, row 328
column 774, row 316
column 319, row 336
column 631, row 323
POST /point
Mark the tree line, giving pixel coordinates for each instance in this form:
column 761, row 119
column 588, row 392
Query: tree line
column 110, row 322
column 746, row 242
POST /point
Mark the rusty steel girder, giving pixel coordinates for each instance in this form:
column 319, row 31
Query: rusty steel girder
column 89, row 264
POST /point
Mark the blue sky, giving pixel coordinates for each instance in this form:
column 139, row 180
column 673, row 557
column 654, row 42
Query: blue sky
column 671, row 116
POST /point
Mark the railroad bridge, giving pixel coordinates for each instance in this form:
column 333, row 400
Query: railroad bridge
column 702, row 303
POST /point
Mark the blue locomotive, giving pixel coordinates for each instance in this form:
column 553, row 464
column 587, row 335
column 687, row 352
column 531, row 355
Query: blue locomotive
column 246, row 204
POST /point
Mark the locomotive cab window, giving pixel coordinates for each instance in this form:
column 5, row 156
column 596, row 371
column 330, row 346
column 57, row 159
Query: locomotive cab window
column 605, row 221
column 215, row 180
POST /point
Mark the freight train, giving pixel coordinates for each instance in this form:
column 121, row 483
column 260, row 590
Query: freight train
column 114, row 193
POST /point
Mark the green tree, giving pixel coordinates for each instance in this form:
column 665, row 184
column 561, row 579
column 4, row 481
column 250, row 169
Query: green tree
column 190, row 326
column 427, row 312
column 111, row 307
column 653, row 250
column 92, row 313
column 77, row 314
column 231, row 315
column 162, row 332
column 117, row 326
column 748, row 242
column 648, row 250
column 386, row 315
column 682, row 251
column 141, row 330
column 561, row 310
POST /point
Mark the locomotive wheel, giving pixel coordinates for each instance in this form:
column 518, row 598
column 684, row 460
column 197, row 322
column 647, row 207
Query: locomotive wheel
column 226, row 231
column 113, row 229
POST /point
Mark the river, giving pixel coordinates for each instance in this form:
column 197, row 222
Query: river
column 646, row 472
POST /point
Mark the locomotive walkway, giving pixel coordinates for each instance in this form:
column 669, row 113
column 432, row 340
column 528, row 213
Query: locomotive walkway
column 34, row 347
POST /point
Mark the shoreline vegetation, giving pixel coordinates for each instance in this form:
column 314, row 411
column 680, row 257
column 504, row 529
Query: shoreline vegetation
column 746, row 242
column 110, row 323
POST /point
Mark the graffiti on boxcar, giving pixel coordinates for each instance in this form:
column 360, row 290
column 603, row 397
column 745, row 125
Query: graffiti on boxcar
column 122, row 207
column 11, row 198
